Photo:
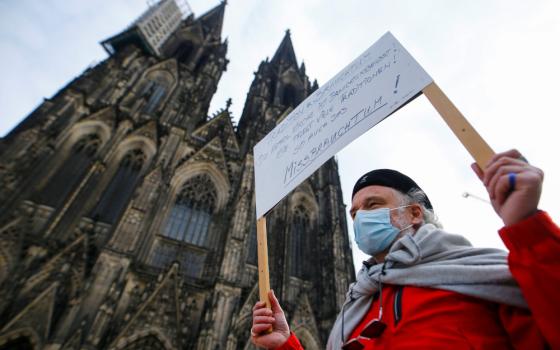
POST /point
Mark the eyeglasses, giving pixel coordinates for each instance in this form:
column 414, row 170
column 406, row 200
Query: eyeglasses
column 373, row 329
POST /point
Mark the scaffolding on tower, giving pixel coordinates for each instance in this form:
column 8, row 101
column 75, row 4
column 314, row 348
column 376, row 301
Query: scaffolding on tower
column 153, row 27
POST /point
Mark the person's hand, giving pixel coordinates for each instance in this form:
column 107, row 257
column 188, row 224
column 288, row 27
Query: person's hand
column 265, row 319
column 513, row 184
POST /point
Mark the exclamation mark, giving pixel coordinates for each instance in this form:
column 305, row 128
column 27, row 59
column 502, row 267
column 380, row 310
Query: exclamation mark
column 396, row 83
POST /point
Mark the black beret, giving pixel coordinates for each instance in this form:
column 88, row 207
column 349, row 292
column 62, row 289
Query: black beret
column 389, row 178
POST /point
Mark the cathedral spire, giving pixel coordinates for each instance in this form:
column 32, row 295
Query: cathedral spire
column 285, row 51
column 150, row 30
column 213, row 20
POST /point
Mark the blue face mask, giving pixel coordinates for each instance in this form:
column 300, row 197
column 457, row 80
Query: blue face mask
column 373, row 230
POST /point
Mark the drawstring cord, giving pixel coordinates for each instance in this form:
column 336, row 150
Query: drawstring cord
column 383, row 273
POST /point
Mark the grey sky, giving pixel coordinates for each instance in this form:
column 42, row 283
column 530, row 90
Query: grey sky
column 496, row 60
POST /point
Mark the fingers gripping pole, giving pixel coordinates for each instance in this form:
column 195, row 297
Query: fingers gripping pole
column 475, row 145
column 262, row 248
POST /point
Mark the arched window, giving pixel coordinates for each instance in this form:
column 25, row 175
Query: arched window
column 70, row 172
column 299, row 233
column 120, row 189
column 154, row 91
column 191, row 214
column 154, row 88
column 290, row 96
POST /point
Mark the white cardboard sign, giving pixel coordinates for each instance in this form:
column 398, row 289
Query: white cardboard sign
column 368, row 90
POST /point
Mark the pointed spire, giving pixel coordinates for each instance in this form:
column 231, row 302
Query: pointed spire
column 315, row 86
column 285, row 51
column 213, row 20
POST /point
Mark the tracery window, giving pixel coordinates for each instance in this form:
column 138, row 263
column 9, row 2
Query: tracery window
column 154, row 91
column 299, row 237
column 120, row 188
column 190, row 217
column 70, row 172
column 191, row 262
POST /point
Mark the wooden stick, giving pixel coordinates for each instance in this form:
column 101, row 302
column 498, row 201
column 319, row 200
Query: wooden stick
column 475, row 145
column 262, row 249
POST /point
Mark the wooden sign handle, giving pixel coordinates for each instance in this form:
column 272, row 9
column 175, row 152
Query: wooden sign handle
column 475, row 145
column 262, row 249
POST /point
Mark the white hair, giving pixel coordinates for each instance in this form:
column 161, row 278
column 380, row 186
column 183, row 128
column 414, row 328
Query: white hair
column 417, row 196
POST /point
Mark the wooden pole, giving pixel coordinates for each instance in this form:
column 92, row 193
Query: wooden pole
column 475, row 145
column 262, row 249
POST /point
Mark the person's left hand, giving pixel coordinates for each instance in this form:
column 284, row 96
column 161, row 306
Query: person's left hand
column 516, row 203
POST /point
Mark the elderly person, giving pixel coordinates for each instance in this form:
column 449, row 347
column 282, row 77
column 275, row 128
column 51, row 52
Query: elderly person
column 428, row 289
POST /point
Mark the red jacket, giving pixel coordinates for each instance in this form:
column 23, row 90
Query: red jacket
column 425, row 318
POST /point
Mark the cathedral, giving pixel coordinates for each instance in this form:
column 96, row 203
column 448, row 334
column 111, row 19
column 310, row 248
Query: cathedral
column 127, row 211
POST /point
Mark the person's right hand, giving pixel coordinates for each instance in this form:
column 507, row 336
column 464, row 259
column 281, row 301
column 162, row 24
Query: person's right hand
column 516, row 201
column 265, row 319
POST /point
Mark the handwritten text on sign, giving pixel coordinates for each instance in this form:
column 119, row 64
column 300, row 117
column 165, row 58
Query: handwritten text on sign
column 364, row 93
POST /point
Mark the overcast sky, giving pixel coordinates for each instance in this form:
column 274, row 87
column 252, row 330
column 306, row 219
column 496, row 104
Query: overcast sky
column 496, row 60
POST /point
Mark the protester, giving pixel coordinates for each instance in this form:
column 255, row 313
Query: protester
column 428, row 289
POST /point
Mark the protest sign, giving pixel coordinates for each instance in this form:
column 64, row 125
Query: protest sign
column 374, row 85
column 377, row 83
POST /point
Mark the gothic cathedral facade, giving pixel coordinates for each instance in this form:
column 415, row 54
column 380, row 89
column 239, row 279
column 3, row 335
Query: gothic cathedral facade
column 127, row 214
